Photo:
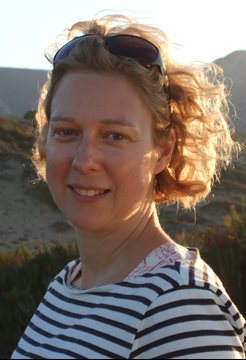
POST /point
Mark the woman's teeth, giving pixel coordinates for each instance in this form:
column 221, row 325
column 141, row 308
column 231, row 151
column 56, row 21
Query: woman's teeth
column 89, row 192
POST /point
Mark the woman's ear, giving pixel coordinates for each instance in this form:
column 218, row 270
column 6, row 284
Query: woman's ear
column 165, row 152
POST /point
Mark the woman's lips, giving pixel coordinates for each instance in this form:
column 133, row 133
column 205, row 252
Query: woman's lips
column 85, row 193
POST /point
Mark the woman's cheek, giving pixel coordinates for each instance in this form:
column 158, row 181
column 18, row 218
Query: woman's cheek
column 56, row 165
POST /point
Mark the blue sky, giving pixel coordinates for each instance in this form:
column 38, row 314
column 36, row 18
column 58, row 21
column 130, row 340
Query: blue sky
column 209, row 29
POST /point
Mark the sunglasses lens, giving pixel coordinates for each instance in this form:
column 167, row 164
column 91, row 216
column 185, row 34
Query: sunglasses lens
column 66, row 49
column 133, row 47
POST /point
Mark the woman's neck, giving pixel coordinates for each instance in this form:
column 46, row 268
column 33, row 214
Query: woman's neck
column 109, row 258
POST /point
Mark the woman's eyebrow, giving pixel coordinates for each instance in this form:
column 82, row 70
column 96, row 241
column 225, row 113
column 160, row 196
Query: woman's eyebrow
column 61, row 118
column 119, row 122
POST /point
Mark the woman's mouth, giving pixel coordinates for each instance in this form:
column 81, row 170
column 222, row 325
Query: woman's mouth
column 89, row 193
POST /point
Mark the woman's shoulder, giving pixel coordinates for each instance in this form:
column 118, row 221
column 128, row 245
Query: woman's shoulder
column 193, row 285
column 177, row 271
column 189, row 272
column 177, row 265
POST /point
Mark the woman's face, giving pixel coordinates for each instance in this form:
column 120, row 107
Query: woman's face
column 101, row 161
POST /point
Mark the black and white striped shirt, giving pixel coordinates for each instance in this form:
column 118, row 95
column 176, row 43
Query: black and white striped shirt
column 172, row 306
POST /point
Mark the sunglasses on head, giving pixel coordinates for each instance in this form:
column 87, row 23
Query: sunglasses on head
column 131, row 46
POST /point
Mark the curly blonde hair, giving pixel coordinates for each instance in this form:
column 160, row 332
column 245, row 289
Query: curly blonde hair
column 192, row 99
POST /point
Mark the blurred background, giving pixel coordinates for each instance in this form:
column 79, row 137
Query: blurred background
column 35, row 240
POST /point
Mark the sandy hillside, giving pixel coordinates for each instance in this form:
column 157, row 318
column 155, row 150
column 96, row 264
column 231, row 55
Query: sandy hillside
column 27, row 214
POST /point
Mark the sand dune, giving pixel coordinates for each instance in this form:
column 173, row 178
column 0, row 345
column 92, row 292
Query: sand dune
column 26, row 215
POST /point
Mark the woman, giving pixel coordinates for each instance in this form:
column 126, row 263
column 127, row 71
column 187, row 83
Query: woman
column 123, row 128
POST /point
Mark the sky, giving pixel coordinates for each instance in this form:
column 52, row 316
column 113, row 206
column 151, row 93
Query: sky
column 208, row 29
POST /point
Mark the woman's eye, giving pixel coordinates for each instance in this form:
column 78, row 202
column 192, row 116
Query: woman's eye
column 65, row 133
column 116, row 137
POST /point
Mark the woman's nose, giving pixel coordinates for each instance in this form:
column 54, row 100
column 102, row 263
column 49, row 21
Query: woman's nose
column 87, row 157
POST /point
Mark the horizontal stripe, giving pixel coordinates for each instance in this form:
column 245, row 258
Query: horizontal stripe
column 87, row 304
column 69, row 339
column 52, row 348
column 202, row 350
column 158, row 290
column 58, row 310
column 28, row 354
column 164, row 277
column 86, row 330
column 95, row 317
column 179, row 304
column 182, row 336
column 177, row 320
column 132, row 297
column 79, row 327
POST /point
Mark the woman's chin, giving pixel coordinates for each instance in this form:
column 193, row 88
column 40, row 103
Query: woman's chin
column 88, row 225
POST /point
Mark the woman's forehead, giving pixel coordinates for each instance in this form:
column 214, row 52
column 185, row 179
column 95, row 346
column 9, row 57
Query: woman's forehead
column 91, row 95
